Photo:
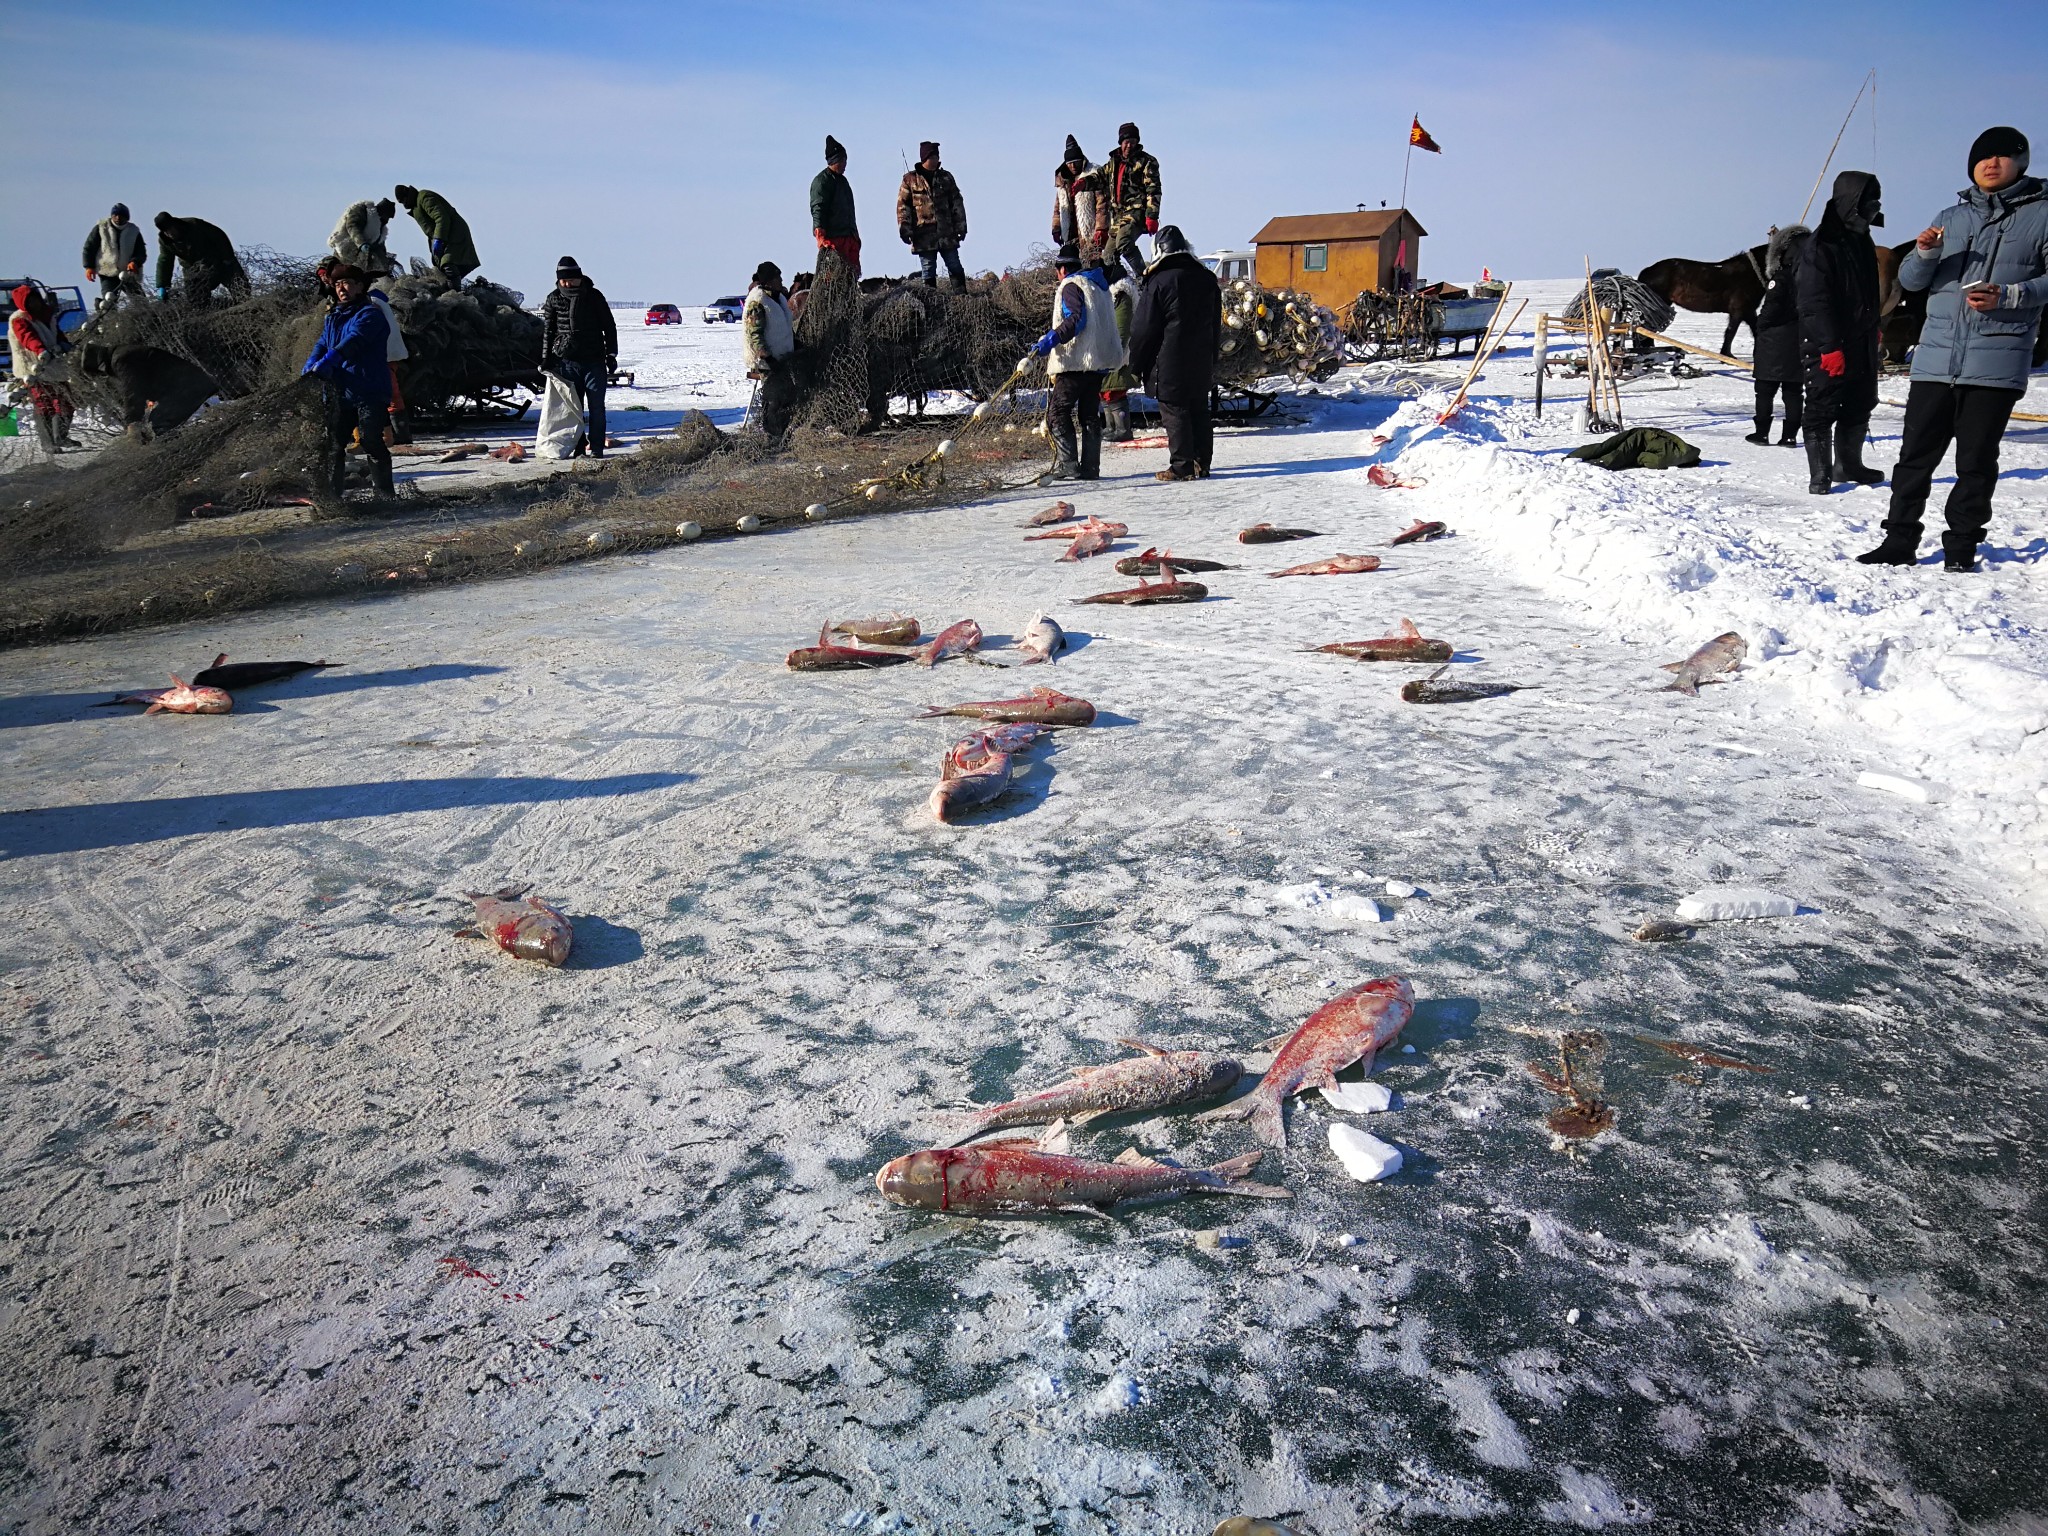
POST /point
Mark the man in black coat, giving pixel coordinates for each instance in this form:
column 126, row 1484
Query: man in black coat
column 580, row 344
column 1839, row 316
column 1776, row 364
column 1175, row 331
column 208, row 256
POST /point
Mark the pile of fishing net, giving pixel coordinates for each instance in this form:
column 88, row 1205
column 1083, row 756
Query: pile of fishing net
column 1268, row 331
column 1628, row 300
column 470, row 349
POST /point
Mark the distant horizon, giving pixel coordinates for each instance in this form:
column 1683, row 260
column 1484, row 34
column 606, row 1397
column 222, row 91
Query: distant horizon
column 672, row 173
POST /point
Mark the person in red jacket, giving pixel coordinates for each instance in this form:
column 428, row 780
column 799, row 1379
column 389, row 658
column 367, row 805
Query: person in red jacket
column 35, row 348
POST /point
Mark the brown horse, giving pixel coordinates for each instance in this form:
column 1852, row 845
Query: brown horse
column 1733, row 287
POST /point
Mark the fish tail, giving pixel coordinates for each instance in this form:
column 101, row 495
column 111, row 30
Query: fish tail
column 1229, row 1178
column 1269, row 1121
column 962, row 1126
column 223, row 656
column 1686, row 684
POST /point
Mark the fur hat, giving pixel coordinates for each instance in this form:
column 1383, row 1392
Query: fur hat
column 834, row 150
column 118, row 211
column 386, row 208
column 162, row 219
column 1168, row 242
column 767, row 275
column 2000, row 141
column 927, row 148
column 1069, row 255
column 346, row 269
column 567, row 267
column 1074, row 154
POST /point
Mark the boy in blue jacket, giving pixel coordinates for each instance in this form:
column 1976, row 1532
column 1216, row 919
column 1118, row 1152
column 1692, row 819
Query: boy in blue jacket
column 355, row 379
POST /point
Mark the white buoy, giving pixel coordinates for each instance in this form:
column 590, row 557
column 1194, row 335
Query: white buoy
column 874, row 493
column 817, row 512
column 749, row 524
column 943, row 449
column 983, row 411
column 603, row 538
column 688, row 532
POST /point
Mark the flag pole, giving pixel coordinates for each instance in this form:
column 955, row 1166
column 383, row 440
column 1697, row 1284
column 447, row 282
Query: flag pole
column 1405, row 159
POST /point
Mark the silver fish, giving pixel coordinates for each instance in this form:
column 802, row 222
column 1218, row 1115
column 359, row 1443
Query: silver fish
column 1153, row 1079
column 1723, row 653
column 1430, row 690
column 1042, row 640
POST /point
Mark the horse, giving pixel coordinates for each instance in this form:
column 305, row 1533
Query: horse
column 1733, row 287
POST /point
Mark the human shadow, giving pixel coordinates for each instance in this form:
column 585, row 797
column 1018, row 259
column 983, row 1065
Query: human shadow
column 125, row 823
column 1439, row 1019
column 602, row 944
column 55, row 708
column 1297, row 467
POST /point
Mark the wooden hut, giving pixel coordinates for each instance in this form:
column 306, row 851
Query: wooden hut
column 1334, row 257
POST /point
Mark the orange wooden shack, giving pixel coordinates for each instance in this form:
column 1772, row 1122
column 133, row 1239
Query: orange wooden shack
column 1334, row 257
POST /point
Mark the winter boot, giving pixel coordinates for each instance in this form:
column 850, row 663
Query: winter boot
column 1117, row 421
column 1849, row 465
column 1762, row 435
column 63, row 429
column 46, row 433
column 380, row 479
column 1820, row 454
column 1091, row 450
column 1066, row 452
column 1897, row 549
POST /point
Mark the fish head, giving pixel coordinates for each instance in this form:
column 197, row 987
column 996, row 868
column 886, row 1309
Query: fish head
column 211, row 701
column 1222, row 1075
column 917, row 1180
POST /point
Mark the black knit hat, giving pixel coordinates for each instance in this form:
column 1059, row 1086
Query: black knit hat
column 767, row 275
column 834, row 150
column 406, row 195
column 120, row 211
column 927, row 148
column 162, row 219
column 567, row 267
column 1074, row 155
column 1128, row 133
column 1069, row 255
column 2000, row 141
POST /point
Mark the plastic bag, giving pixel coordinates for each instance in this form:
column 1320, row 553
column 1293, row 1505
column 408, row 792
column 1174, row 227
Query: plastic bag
column 561, row 421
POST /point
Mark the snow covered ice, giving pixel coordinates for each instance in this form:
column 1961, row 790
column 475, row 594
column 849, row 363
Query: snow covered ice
column 1734, row 903
column 318, row 1216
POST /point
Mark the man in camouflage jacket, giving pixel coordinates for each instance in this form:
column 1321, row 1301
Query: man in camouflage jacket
column 931, row 216
column 1131, row 177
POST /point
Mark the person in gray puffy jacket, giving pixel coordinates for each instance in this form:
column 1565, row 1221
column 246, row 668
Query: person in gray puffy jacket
column 1984, row 267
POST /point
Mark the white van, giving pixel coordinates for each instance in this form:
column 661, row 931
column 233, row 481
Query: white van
column 1229, row 264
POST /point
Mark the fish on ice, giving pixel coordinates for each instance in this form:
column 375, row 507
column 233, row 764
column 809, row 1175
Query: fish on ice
column 1266, row 533
column 890, row 629
column 1058, row 512
column 1042, row 640
column 1018, row 1177
column 1146, row 592
column 977, row 769
column 247, row 674
column 1335, row 565
column 1388, row 480
column 1723, row 653
column 1403, row 643
column 1041, row 706
column 1432, row 690
column 1155, row 562
column 953, row 640
column 1092, row 541
column 1664, row 931
column 1152, row 1079
column 1348, row 1028
column 1419, row 532
column 181, row 698
column 1091, row 525
column 828, row 656
column 522, row 925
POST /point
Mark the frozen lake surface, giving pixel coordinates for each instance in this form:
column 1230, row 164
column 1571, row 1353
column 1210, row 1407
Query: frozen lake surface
column 317, row 1215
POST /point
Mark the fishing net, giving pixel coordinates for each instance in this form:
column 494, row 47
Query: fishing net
column 1269, row 331
column 1630, row 302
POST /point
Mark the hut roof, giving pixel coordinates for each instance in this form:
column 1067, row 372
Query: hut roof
column 1333, row 226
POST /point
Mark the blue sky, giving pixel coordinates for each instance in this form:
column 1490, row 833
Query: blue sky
column 669, row 147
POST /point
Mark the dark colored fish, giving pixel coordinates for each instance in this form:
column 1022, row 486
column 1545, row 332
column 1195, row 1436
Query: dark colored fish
column 828, row 657
column 1153, row 1079
column 1405, row 643
column 246, row 674
column 1148, row 564
column 1016, row 1177
column 895, row 629
column 1152, row 592
column 1266, row 533
column 1427, row 690
column 1701, row 1056
column 1664, row 931
column 1419, row 533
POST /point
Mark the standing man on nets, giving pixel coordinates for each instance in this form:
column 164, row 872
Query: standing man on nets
column 1839, row 316
column 768, row 336
column 208, row 256
column 1174, row 336
column 447, row 232
column 580, row 345
column 355, row 380
column 1776, row 366
column 113, row 257
column 832, row 220
column 35, row 349
column 1080, row 205
column 1984, row 267
column 1080, row 348
column 931, row 216
column 1133, row 185
column 360, row 234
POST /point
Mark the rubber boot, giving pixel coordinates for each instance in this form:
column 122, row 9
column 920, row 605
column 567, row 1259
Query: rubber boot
column 380, row 478
column 63, row 429
column 1762, row 435
column 1091, row 450
column 46, row 434
column 1066, row 452
column 1117, row 421
column 1849, row 466
column 1820, row 457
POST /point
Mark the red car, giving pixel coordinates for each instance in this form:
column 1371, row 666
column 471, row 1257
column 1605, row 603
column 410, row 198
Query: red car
column 663, row 314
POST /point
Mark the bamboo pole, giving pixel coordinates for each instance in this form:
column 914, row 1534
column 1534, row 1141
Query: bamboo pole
column 1481, row 354
column 1868, row 80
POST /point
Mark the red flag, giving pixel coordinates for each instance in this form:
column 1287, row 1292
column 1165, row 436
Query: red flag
column 1419, row 137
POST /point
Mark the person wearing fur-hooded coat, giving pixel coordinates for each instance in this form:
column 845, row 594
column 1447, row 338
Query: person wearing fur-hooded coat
column 1779, row 369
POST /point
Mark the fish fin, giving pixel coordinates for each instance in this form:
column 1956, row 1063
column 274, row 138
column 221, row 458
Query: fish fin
column 223, row 656
column 155, row 708
column 512, row 892
column 1230, row 1178
column 1688, row 686
column 1406, row 630
column 1074, row 1122
column 1054, row 1138
column 1672, row 666
column 467, row 932
column 1269, row 1120
column 1139, row 1045
column 1274, row 1042
column 1086, row 1210
column 1236, row 1109
column 1131, row 1157
column 179, row 681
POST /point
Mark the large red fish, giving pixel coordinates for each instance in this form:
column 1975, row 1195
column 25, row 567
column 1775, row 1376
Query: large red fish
column 977, row 769
column 1336, row 565
column 1345, row 1029
column 954, row 640
column 827, row 656
column 1016, row 1176
column 528, row 928
column 1174, row 591
column 1091, row 525
column 182, row 698
column 1405, row 643
column 1041, row 706
column 1058, row 512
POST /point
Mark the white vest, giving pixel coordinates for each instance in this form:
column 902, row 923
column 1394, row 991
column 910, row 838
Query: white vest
column 26, row 362
column 394, row 345
column 119, row 245
column 778, row 336
column 1097, row 348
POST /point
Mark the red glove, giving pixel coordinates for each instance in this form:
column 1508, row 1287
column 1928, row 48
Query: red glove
column 820, row 235
column 1151, row 226
column 1833, row 364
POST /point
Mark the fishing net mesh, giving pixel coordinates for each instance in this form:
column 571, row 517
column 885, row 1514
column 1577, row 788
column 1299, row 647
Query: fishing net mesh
column 142, row 532
column 1631, row 302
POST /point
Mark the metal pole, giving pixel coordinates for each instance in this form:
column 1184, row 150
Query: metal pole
column 1542, row 355
column 1405, row 159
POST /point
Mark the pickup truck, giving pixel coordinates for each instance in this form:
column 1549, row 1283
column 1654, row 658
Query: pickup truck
column 71, row 310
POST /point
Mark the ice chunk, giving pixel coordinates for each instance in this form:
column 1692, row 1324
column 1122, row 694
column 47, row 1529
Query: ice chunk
column 1340, row 906
column 1401, row 889
column 1359, row 1098
column 1726, row 903
column 1904, row 788
column 1365, row 1157
column 1119, row 1394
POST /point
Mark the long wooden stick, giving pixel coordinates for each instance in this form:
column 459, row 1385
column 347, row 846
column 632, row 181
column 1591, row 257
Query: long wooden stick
column 1867, row 79
column 1479, row 359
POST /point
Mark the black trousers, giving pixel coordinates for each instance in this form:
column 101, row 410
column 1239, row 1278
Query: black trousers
column 1974, row 419
column 345, row 415
column 1795, row 399
column 1075, row 402
column 1190, row 437
column 779, row 399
